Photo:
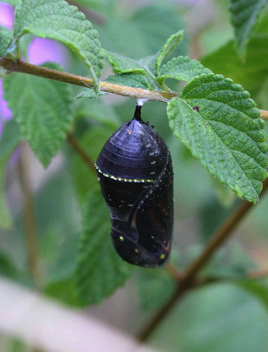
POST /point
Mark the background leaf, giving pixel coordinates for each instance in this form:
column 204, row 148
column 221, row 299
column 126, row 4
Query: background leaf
column 144, row 33
column 225, row 133
column 42, row 109
column 10, row 139
column 245, row 14
column 100, row 270
column 56, row 19
column 155, row 288
column 251, row 73
column 218, row 318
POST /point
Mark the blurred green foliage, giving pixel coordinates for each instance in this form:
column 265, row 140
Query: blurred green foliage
column 221, row 317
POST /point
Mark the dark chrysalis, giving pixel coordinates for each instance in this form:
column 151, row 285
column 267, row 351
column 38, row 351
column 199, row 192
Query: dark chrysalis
column 136, row 178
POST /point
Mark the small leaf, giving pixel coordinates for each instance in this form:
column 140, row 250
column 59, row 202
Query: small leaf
column 245, row 14
column 129, row 79
column 100, row 271
column 223, row 131
column 182, row 69
column 10, row 138
column 42, row 109
column 169, row 46
column 89, row 93
column 56, row 19
column 5, row 40
column 155, row 288
column 123, row 64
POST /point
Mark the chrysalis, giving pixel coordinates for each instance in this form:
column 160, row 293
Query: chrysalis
column 136, row 178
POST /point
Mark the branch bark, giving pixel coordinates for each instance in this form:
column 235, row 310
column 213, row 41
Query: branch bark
column 24, row 67
column 30, row 225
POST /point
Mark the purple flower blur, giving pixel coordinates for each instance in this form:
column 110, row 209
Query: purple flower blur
column 40, row 51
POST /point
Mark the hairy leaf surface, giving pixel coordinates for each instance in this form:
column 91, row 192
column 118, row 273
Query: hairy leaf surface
column 42, row 109
column 182, row 68
column 219, row 123
column 56, row 19
column 245, row 14
column 100, row 270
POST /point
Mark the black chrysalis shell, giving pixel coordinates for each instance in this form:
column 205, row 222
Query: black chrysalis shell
column 136, row 178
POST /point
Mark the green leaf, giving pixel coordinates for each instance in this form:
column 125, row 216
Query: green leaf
column 245, row 14
column 85, row 180
column 7, row 268
column 42, row 109
column 11, row 2
column 10, row 138
column 5, row 40
column 100, row 271
column 155, row 288
column 155, row 23
column 123, row 64
column 182, row 69
column 56, row 19
column 129, row 79
column 257, row 288
column 251, row 73
column 5, row 218
column 215, row 318
column 65, row 291
column 225, row 133
column 169, row 46
column 143, row 34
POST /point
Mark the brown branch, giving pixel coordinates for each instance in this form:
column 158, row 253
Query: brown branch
column 173, row 271
column 76, row 146
column 30, row 225
column 189, row 279
column 24, row 67
column 264, row 114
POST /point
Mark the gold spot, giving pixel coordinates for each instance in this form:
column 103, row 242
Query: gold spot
column 162, row 256
column 121, row 238
column 129, row 132
column 136, row 251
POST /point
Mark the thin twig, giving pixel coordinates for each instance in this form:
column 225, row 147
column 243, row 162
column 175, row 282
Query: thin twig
column 77, row 147
column 30, row 225
column 173, row 271
column 264, row 114
column 24, row 67
column 188, row 281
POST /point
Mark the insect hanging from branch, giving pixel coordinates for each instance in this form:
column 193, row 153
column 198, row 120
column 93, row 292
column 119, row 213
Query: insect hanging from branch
column 136, row 178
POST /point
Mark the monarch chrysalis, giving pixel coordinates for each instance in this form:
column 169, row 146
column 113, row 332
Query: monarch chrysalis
column 136, row 178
